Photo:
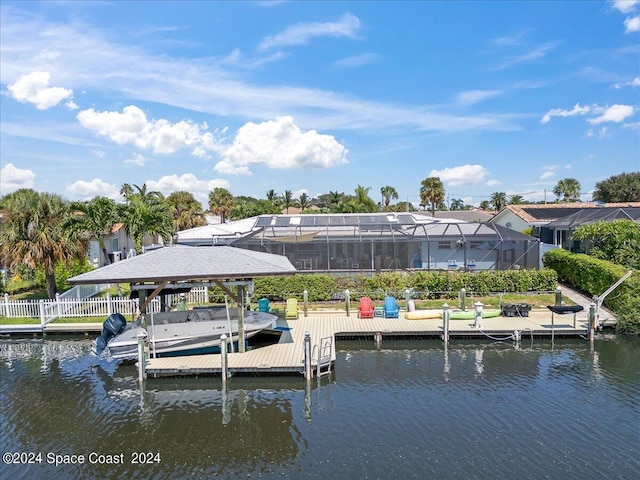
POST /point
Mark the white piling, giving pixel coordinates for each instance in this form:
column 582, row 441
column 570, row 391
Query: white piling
column 462, row 297
column 223, row 358
column 478, row 307
column 592, row 322
column 445, row 323
column 142, row 368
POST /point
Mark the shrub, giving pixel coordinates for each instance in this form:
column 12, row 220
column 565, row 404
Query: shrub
column 595, row 276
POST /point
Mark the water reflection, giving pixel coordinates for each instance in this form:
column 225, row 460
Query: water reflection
column 416, row 402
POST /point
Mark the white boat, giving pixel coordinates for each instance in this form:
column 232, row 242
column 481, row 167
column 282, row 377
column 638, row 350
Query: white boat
column 190, row 332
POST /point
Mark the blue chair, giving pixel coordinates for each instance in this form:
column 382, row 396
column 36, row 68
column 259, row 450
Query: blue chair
column 391, row 308
column 263, row 305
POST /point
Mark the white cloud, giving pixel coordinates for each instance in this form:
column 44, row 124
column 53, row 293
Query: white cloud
column 625, row 6
column 139, row 159
column 558, row 112
column 472, row 97
column 34, row 88
column 632, row 24
column 462, row 175
column 301, row 33
column 632, row 83
column 600, row 134
column 297, row 193
column 13, row 178
column 357, row 61
column 615, row 113
column 632, row 126
column 492, row 183
column 161, row 136
column 99, row 153
column 96, row 187
column 187, row 182
column 534, row 54
column 546, row 175
column 71, row 105
column 280, row 144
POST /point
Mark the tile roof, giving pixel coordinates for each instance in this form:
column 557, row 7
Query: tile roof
column 550, row 212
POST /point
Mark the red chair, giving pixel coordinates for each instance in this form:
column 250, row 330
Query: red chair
column 366, row 308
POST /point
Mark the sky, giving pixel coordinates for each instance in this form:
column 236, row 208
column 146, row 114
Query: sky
column 489, row 96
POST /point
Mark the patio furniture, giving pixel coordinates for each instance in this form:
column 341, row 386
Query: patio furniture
column 366, row 308
column 452, row 264
column 391, row 308
column 291, row 310
column 378, row 312
column 263, row 305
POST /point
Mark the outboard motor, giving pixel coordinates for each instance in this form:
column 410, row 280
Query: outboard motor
column 112, row 326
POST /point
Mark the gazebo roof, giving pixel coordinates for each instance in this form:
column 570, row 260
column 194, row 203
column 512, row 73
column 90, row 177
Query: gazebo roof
column 189, row 264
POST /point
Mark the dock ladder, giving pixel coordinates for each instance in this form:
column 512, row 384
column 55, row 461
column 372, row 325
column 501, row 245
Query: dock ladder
column 324, row 353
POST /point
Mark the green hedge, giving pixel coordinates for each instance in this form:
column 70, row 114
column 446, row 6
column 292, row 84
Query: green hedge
column 324, row 287
column 594, row 277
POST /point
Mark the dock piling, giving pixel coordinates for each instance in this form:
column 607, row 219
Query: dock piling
column 347, row 299
column 224, row 365
column 305, row 303
column 592, row 322
column 142, row 371
column 462, row 297
column 478, row 307
column 445, row 323
column 308, row 370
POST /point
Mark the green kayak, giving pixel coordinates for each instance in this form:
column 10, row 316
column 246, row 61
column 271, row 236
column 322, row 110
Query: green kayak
column 471, row 314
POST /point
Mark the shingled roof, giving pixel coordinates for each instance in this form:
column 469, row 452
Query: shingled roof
column 189, row 264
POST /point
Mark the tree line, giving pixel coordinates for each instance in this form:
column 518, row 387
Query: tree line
column 42, row 230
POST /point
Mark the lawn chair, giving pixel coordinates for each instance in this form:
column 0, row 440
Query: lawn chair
column 391, row 308
column 263, row 305
column 291, row 310
column 366, row 308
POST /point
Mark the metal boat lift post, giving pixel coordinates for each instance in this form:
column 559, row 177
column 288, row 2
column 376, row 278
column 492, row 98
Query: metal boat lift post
column 599, row 299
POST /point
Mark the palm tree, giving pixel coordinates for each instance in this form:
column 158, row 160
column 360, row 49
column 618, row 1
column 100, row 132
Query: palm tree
column 95, row 218
column 388, row 193
column 32, row 234
column 145, row 213
column 287, row 199
column 186, row 212
column 457, row 204
column 364, row 203
column 221, row 202
column 484, row 204
column 516, row 199
column 568, row 188
column 432, row 192
column 303, row 201
column 498, row 200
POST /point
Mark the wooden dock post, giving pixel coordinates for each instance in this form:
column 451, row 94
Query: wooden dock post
column 558, row 297
column 462, row 297
column 308, row 370
column 305, row 303
column 142, row 370
column 223, row 359
column 445, row 323
column 592, row 322
column 347, row 300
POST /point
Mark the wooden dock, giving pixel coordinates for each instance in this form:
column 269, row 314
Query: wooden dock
column 286, row 357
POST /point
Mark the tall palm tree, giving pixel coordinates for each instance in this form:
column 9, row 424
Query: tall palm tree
column 186, row 212
column 95, row 218
column 32, row 234
column 287, row 199
column 145, row 213
column 363, row 202
column 484, row 204
column 432, row 192
column 272, row 196
column 457, row 204
column 568, row 188
column 498, row 200
column 516, row 199
column 388, row 193
column 303, row 201
column 221, row 202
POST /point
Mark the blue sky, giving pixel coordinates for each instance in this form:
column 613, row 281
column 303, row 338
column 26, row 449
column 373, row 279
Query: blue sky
column 318, row 96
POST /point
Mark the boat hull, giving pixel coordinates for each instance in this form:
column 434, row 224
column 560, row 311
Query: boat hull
column 186, row 337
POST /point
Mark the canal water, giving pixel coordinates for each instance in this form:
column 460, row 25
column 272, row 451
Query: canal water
column 404, row 409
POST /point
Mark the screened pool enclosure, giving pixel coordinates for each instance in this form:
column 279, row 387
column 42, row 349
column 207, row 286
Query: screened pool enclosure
column 375, row 242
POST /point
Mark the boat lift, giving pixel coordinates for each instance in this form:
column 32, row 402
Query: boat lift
column 599, row 299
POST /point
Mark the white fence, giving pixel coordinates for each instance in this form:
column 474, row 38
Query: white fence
column 48, row 310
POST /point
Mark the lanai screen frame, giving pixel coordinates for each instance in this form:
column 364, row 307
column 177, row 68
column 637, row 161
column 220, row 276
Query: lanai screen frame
column 388, row 241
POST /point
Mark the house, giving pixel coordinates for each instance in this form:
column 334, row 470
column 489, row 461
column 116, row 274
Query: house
column 523, row 216
column 368, row 242
column 118, row 245
column 559, row 231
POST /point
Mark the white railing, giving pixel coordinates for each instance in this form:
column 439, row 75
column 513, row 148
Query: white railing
column 48, row 310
